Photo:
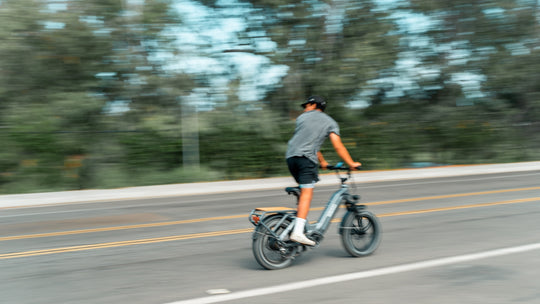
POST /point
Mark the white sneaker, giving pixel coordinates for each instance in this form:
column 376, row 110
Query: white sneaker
column 302, row 239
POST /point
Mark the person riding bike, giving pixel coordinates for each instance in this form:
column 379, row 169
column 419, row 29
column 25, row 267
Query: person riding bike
column 313, row 126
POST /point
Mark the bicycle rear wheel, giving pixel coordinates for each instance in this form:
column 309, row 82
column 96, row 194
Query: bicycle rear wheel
column 269, row 251
column 360, row 233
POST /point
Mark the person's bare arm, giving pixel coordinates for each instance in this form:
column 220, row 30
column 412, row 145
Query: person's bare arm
column 342, row 151
column 322, row 162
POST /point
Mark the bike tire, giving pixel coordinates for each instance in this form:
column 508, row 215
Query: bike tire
column 265, row 247
column 360, row 233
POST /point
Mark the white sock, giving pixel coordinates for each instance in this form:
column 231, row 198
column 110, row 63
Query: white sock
column 299, row 225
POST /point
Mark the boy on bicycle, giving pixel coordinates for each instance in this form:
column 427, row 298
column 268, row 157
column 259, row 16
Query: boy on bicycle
column 313, row 126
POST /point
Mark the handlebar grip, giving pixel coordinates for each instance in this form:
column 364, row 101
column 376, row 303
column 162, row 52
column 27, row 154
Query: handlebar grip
column 339, row 167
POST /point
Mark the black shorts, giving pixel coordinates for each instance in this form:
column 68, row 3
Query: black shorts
column 304, row 171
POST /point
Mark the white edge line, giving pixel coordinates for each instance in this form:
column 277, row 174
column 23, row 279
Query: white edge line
column 360, row 275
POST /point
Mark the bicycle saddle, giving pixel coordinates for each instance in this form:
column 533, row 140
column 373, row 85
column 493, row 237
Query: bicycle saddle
column 293, row 190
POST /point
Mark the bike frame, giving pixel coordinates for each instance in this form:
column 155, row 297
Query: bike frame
column 329, row 211
column 323, row 223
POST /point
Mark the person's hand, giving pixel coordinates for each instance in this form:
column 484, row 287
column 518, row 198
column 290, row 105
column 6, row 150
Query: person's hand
column 355, row 165
column 324, row 164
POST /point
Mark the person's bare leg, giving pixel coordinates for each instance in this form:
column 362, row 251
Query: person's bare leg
column 304, row 202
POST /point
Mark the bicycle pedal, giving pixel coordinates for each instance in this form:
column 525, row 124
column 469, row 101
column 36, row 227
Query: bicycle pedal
column 310, row 246
column 314, row 246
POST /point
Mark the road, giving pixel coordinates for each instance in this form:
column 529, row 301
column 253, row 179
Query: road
column 469, row 239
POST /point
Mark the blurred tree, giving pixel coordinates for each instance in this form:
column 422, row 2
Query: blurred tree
column 331, row 48
column 65, row 68
column 473, row 38
column 242, row 142
column 468, row 79
column 88, row 93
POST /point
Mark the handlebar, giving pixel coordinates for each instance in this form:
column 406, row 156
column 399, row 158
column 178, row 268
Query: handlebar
column 340, row 167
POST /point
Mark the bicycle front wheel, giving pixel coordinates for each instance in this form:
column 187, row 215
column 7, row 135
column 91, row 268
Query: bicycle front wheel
column 360, row 233
column 269, row 251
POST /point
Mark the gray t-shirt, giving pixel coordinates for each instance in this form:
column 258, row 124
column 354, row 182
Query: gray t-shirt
column 312, row 128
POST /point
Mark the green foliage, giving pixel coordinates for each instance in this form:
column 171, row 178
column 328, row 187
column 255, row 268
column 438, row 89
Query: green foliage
column 112, row 176
column 332, row 50
column 60, row 70
column 150, row 150
column 88, row 98
column 244, row 143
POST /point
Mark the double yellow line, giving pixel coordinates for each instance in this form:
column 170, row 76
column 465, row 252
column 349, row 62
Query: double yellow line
column 115, row 228
column 237, row 231
column 121, row 243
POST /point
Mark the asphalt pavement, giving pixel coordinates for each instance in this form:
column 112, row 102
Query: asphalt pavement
column 146, row 192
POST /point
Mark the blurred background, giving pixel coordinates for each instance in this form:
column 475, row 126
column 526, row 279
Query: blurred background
column 112, row 93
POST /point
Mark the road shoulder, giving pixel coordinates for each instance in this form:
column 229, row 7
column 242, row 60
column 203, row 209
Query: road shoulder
column 147, row 192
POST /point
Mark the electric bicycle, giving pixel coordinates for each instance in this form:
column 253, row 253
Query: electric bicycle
column 360, row 229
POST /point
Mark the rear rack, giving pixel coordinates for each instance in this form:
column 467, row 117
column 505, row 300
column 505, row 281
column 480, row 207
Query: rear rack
column 259, row 213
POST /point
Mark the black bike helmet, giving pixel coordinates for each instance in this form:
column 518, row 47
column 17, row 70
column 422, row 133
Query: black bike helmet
column 318, row 100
